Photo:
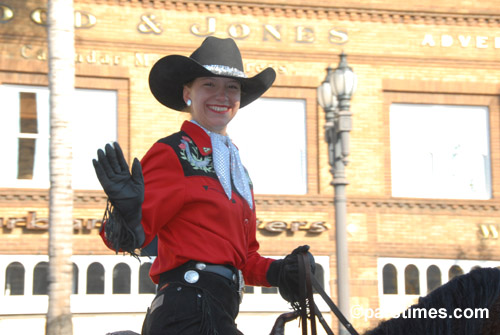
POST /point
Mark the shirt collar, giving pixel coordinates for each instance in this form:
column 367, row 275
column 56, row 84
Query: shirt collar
column 199, row 136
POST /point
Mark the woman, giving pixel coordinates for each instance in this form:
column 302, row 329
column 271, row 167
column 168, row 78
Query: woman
column 194, row 195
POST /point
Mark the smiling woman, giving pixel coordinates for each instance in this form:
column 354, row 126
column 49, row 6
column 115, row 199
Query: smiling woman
column 194, row 196
column 214, row 101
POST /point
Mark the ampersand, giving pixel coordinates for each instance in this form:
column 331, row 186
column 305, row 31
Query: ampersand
column 148, row 25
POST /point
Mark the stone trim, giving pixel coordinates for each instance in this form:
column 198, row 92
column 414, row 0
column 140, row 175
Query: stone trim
column 319, row 13
column 97, row 199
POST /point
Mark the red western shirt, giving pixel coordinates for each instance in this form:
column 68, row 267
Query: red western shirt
column 187, row 208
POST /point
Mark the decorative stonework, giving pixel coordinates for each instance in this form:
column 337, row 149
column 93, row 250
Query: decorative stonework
column 320, row 13
column 95, row 199
column 40, row 198
column 379, row 204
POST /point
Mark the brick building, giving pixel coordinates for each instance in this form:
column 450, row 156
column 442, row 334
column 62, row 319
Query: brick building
column 425, row 146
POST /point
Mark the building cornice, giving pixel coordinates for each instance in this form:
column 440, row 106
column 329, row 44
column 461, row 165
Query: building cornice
column 96, row 199
column 381, row 204
column 314, row 12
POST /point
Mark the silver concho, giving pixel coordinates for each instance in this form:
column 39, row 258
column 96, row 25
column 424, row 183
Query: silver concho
column 200, row 266
column 191, row 276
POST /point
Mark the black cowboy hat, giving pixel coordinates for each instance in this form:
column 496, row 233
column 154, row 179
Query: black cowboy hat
column 215, row 57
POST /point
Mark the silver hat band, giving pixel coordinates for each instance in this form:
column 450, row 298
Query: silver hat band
column 223, row 70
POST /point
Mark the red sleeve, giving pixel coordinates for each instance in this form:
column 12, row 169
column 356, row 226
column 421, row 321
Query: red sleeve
column 256, row 267
column 103, row 236
column 164, row 189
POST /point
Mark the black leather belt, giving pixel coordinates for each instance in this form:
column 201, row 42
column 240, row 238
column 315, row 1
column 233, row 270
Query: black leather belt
column 191, row 270
column 221, row 270
column 190, row 273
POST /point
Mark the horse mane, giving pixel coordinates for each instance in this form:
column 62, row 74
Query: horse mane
column 480, row 288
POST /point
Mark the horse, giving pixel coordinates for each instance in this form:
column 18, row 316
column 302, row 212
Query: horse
column 447, row 310
column 477, row 292
column 468, row 304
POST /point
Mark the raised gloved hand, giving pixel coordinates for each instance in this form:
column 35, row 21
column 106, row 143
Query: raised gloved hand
column 125, row 190
column 284, row 273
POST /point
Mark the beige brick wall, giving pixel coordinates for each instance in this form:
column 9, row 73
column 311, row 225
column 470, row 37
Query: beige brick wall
column 385, row 49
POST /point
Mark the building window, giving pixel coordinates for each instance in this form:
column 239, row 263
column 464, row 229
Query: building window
column 390, row 279
column 267, row 299
column 273, row 131
column 121, row 279
column 454, row 271
column 14, row 279
column 433, row 278
column 269, row 290
column 95, row 279
column 320, row 277
column 97, row 268
column 41, row 279
column 28, row 131
column 412, row 284
column 146, row 285
column 25, row 129
column 408, row 270
column 432, row 157
column 74, row 289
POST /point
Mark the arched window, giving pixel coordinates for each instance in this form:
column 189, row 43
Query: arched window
column 121, row 279
column 412, row 284
column 41, row 279
column 75, row 279
column 454, row 271
column 390, row 279
column 14, row 279
column 95, row 279
column 433, row 278
column 320, row 276
column 269, row 290
column 146, row 285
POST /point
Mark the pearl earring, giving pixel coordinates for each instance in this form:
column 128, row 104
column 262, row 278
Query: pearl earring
column 188, row 102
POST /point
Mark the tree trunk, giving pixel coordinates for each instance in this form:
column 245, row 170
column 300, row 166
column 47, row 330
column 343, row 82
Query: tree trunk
column 60, row 19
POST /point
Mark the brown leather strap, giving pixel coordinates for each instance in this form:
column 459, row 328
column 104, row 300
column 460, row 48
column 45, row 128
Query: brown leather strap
column 306, row 301
column 334, row 308
column 302, row 293
column 309, row 281
column 309, row 290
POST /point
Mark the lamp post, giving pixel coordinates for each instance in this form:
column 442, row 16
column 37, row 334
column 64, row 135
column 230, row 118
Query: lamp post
column 334, row 96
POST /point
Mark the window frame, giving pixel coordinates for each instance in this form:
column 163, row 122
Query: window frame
column 272, row 148
column 135, row 301
column 437, row 183
column 258, row 301
column 312, row 146
column 393, row 304
column 81, row 302
column 442, row 93
column 122, row 278
column 116, row 78
column 84, row 148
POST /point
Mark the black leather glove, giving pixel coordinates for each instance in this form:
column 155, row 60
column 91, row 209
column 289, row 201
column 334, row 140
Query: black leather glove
column 125, row 191
column 284, row 273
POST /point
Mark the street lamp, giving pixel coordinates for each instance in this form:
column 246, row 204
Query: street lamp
column 334, row 96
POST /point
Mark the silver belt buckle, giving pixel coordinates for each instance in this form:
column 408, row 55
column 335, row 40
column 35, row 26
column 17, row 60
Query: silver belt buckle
column 191, row 276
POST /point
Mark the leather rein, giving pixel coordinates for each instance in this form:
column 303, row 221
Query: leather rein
column 307, row 282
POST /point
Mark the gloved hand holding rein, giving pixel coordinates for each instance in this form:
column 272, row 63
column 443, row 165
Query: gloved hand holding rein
column 125, row 191
column 284, row 273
